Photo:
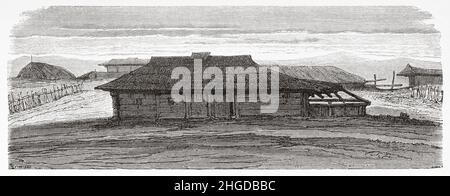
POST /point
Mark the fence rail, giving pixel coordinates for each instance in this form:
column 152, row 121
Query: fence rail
column 428, row 92
column 20, row 102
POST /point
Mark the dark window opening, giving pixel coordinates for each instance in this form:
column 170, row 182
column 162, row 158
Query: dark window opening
column 170, row 101
column 284, row 98
column 138, row 101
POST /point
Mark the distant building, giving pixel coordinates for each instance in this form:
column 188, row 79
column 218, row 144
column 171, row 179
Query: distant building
column 420, row 76
column 124, row 65
column 97, row 75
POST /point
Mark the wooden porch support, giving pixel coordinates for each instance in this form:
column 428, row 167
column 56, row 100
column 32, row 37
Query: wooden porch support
column 116, row 105
column 186, row 110
column 156, row 106
column 339, row 97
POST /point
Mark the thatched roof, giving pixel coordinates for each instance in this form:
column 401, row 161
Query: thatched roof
column 44, row 71
column 413, row 71
column 156, row 76
column 127, row 61
column 88, row 75
column 99, row 75
column 322, row 73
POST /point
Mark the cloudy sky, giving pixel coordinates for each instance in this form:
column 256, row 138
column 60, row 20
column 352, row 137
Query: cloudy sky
column 120, row 21
column 266, row 33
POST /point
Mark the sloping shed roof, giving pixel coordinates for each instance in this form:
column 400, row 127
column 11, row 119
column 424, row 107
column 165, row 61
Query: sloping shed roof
column 322, row 73
column 156, row 76
column 127, row 61
column 89, row 75
column 37, row 70
column 410, row 70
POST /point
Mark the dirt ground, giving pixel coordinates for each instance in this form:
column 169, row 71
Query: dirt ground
column 275, row 143
column 392, row 103
column 75, row 132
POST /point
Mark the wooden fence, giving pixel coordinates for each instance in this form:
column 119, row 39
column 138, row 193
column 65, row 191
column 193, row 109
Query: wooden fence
column 20, row 102
column 428, row 92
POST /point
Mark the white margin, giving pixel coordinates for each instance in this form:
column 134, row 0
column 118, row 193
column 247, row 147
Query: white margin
column 11, row 10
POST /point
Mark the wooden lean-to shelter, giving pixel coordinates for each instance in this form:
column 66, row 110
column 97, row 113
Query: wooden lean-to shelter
column 145, row 93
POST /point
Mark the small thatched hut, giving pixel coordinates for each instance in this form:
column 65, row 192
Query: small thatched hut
column 145, row 93
column 98, row 75
column 420, row 76
column 89, row 75
column 44, row 71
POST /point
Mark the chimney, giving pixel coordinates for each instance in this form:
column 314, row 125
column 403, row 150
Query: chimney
column 200, row 55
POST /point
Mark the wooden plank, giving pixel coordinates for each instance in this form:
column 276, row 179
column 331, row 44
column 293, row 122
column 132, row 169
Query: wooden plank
column 389, row 85
column 378, row 80
column 393, row 80
column 338, row 96
column 356, row 96
column 335, row 100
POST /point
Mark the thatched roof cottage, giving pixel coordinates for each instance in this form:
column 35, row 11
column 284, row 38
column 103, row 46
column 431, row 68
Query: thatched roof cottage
column 145, row 93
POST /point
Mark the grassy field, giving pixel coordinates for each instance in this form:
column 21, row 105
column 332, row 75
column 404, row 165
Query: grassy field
column 75, row 132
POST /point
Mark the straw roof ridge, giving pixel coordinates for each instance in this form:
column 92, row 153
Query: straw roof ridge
column 157, row 75
column 38, row 70
column 410, row 70
column 127, row 61
column 320, row 73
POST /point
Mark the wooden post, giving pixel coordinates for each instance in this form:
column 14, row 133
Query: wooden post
column 10, row 105
column 375, row 80
column 13, row 101
column 56, row 93
column 235, row 106
column 26, row 101
column 39, row 98
column 186, row 116
column 64, row 90
column 116, row 105
column 208, row 114
column 44, row 95
column 393, row 80
column 32, row 101
column 156, row 106
column 230, row 116
column 20, row 101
